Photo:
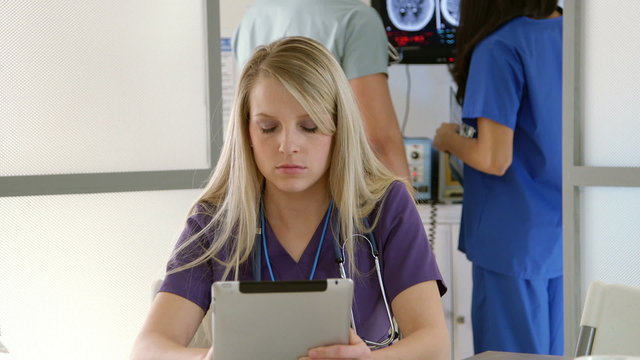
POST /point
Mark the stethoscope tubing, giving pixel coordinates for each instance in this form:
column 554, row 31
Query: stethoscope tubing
column 374, row 252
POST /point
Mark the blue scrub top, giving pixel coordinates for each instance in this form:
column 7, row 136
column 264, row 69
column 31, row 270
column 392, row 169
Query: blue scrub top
column 512, row 224
column 406, row 260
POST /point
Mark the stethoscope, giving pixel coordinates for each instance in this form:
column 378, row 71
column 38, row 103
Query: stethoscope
column 261, row 244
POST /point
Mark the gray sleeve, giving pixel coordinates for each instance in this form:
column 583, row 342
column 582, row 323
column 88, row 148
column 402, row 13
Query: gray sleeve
column 365, row 51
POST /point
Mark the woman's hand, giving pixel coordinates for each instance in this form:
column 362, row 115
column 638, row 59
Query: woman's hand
column 356, row 349
column 441, row 140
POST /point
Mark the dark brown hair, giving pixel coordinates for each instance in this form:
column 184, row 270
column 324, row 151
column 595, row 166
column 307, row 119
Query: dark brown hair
column 479, row 18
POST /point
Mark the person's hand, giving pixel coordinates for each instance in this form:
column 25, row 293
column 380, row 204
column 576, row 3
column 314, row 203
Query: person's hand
column 356, row 349
column 444, row 132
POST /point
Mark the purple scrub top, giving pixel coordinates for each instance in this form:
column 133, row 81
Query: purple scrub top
column 406, row 260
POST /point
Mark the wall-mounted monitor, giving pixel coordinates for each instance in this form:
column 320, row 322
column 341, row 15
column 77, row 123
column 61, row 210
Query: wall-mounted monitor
column 423, row 31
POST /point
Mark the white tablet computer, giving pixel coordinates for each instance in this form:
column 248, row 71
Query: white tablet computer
column 279, row 320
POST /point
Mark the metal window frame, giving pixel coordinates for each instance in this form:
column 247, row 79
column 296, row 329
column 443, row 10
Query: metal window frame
column 31, row 185
column 575, row 174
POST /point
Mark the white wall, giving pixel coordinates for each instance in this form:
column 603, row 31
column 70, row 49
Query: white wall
column 601, row 179
column 76, row 270
column 87, row 88
column 428, row 97
column 607, row 101
column 95, row 74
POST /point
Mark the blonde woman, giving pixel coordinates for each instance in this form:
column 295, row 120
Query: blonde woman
column 295, row 162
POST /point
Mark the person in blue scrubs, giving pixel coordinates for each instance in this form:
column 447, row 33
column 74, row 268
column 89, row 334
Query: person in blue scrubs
column 296, row 164
column 509, row 76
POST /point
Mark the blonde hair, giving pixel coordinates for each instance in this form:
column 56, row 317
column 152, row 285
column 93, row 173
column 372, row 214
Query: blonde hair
column 357, row 180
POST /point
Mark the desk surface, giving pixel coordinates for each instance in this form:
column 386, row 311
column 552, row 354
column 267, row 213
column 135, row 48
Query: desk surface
column 499, row 355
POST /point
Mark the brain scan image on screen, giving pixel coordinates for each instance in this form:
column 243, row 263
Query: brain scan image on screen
column 410, row 15
column 422, row 31
column 451, row 11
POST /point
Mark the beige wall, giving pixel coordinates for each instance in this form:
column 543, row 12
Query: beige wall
column 231, row 12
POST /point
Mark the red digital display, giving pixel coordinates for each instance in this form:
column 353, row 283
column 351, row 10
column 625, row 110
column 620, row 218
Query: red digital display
column 412, row 40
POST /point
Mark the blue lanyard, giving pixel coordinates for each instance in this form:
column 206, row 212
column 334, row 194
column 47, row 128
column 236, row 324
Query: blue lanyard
column 266, row 251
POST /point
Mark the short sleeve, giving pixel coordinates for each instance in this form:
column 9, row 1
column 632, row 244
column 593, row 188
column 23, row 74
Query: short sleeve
column 407, row 258
column 495, row 83
column 194, row 283
column 365, row 49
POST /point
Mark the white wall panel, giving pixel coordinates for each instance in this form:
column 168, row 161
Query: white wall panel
column 428, row 97
column 610, row 235
column 103, row 86
column 76, row 270
column 610, row 83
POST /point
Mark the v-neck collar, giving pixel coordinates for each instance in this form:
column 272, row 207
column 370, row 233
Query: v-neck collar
column 308, row 255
